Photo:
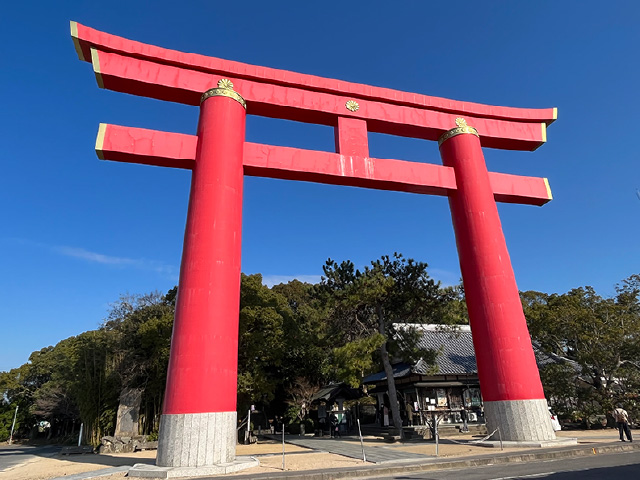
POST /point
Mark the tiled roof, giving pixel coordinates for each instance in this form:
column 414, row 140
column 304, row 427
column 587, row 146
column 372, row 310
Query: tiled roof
column 329, row 393
column 399, row 370
column 543, row 359
column 455, row 354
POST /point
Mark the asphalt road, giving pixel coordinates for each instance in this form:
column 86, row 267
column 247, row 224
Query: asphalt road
column 12, row 455
column 614, row 465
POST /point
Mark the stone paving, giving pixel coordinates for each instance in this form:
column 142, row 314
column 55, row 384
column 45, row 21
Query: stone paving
column 353, row 449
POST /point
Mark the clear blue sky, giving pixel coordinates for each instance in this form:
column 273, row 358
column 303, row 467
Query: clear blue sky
column 77, row 232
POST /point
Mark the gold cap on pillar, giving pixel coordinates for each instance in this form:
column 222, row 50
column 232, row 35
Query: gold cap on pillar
column 225, row 89
column 462, row 127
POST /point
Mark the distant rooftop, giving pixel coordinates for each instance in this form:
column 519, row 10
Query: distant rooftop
column 456, row 354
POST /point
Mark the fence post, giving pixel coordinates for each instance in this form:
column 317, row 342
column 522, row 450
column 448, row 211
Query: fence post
column 283, row 446
column 364, row 456
column 435, row 426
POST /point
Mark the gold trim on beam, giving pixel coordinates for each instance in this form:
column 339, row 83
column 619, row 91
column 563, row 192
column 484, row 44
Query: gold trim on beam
column 95, row 61
column 546, row 184
column 461, row 128
column 102, row 130
column 544, row 137
column 76, row 41
column 224, row 89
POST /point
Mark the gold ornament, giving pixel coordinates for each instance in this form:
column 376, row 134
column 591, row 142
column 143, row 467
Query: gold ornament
column 352, row 106
column 462, row 127
column 224, row 89
column 225, row 83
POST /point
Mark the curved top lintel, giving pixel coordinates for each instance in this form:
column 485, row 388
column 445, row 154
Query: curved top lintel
column 85, row 38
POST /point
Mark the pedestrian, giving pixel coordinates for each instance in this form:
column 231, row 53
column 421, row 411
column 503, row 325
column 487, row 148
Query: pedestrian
column 464, row 418
column 335, row 427
column 621, row 417
column 409, row 414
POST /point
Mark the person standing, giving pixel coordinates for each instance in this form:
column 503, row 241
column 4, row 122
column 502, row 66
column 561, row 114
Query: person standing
column 464, row 417
column 322, row 418
column 335, row 425
column 621, row 417
column 409, row 409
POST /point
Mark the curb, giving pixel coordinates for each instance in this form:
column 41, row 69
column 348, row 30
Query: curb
column 94, row 474
column 442, row 464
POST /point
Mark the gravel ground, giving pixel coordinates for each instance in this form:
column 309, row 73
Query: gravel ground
column 270, row 455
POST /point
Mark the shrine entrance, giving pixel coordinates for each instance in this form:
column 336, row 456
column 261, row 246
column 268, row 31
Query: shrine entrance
column 198, row 426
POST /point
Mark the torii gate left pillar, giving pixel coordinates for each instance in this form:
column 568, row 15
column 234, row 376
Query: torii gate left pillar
column 200, row 400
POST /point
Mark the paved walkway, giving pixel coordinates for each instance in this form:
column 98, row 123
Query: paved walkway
column 349, row 448
column 440, row 463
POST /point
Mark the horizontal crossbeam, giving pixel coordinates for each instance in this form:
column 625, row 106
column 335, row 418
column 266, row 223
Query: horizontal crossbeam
column 152, row 147
column 164, row 82
column 86, row 38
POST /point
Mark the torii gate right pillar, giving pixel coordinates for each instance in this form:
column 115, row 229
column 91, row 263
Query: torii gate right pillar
column 509, row 379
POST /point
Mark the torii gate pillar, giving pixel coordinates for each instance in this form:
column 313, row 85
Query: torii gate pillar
column 511, row 388
column 198, row 424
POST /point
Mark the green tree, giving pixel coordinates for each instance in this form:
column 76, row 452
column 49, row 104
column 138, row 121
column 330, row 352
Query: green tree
column 454, row 306
column 142, row 327
column 373, row 310
column 52, row 400
column 16, row 392
column 40, row 389
column 95, row 382
column 264, row 318
column 306, row 363
column 602, row 335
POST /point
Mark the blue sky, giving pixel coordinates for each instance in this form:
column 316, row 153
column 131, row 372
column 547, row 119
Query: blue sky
column 78, row 232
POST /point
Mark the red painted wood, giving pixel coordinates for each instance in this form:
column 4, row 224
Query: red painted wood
column 331, row 168
column 155, row 80
column 202, row 375
column 506, row 364
column 148, row 147
column 351, row 137
column 137, row 145
column 86, row 38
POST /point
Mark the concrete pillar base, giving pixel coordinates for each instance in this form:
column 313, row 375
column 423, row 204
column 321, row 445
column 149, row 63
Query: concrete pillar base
column 519, row 420
column 197, row 439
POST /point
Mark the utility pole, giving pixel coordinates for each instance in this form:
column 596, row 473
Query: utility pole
column 15, row 415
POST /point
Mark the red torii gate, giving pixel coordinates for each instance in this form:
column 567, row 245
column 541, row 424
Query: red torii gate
column 199, row 414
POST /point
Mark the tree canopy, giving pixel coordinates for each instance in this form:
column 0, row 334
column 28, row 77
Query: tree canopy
column 373, row 310
column 296, row 337
column 601, row 339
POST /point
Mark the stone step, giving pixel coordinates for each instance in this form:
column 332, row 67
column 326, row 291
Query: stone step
column 76, row 450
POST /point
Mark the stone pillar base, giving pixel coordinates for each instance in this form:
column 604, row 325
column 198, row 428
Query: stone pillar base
column 519, row 420
column 558, row 442
column 197, row 439
column 142, row 470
